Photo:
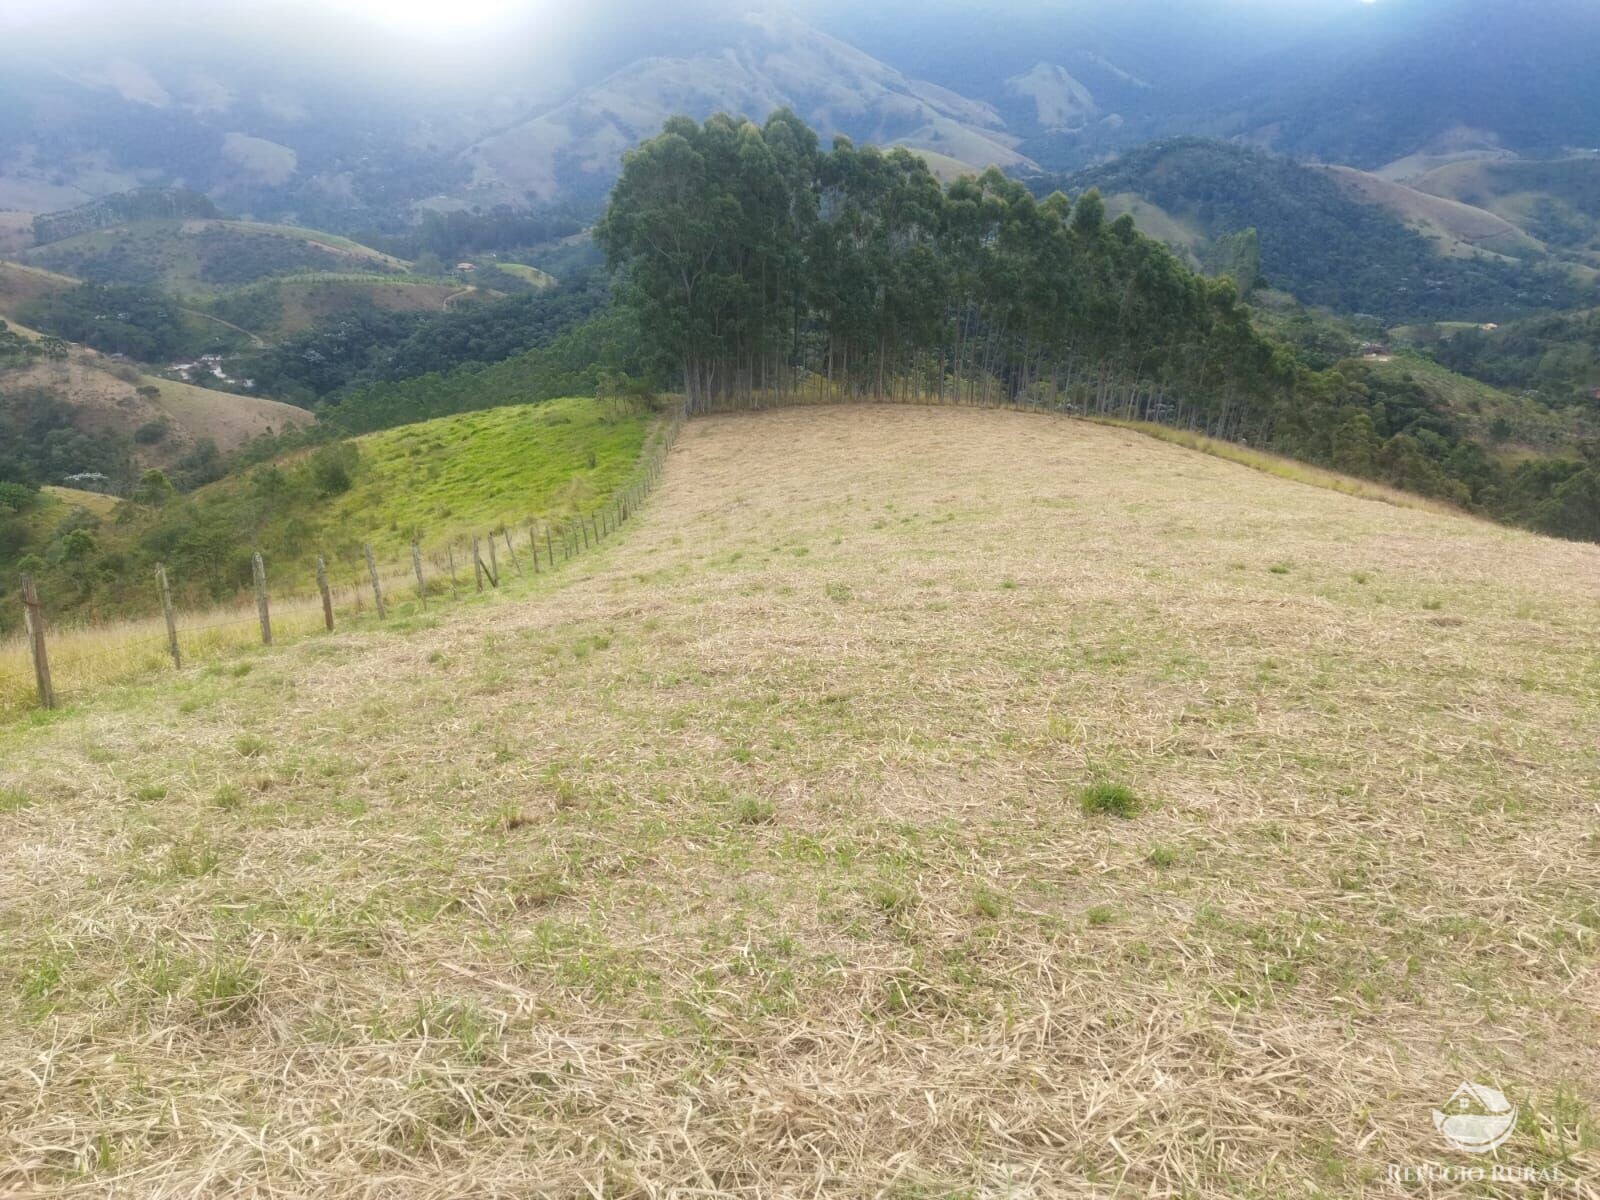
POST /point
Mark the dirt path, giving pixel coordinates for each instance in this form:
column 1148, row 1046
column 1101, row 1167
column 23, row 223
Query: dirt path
column 256, row 342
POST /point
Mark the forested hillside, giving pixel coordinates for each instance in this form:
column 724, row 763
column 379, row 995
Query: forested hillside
column 365, row 346
column 1318, row 242
column 1558, row 356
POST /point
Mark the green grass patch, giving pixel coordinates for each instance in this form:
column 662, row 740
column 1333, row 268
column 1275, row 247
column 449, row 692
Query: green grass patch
column 1109, row 799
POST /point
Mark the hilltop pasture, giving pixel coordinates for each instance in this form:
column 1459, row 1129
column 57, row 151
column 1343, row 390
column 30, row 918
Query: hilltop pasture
column 914, row 802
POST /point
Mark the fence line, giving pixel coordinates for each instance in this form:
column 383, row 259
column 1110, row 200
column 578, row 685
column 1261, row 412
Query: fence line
column 99, row 655
column 178, row 638
column 294, row 614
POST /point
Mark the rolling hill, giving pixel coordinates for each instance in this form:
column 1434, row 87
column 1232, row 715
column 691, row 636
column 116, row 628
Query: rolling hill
column 1556, row 356
column 1458, row 229
column 196, row 257
column 1556, row 201
column 278, row 308
column 21, row 285
column 281, row 124
column 1333, row 236
column 918, row 799
column 1385, row 83
column 237, row 285
column 1512, row 425
column 110, row 397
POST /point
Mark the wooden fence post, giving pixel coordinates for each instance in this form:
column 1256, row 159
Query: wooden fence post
column 33, row 622
column 494, row 562
column 550, row 545
column 377, row 588
column 533, row 547
column 585, row 530
column 512, row 550
column 478, row 569
column 450, row 551
column 172, row 622
column 327, row 596
column 416, row 563
column 259, row 570
column 594, row 522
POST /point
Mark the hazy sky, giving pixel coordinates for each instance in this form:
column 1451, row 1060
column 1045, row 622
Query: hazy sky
column 429, row 17
column 435, row 17
column 461, row 45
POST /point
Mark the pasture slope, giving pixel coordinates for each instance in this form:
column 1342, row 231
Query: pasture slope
column 751, row 855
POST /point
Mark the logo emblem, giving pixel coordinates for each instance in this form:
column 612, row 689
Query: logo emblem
column 1477, row 1118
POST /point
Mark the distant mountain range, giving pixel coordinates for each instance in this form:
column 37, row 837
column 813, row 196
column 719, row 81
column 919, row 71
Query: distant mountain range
column 757, row 63
column 274, row 129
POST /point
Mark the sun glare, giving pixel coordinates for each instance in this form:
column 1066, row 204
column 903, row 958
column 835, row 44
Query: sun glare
column 434, row 16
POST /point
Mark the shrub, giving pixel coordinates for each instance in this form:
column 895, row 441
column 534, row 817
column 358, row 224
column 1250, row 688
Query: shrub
column 16, row 497
column 154, row 489
column 150, row 432
column 333, row 467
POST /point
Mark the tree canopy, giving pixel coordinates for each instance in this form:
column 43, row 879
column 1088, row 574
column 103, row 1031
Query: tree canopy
column 754, row 260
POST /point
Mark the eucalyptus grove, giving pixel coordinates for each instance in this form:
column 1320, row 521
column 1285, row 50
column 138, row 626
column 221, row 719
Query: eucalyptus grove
column 760, row 264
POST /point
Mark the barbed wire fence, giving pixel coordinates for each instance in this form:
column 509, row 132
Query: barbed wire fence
column 70, row 663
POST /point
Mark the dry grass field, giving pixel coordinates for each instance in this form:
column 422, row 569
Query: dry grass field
column 912, row 803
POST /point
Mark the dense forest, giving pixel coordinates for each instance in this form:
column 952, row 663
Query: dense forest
column 1316, row 242
column 139, row 322
column 754, row 262
column 1558, row 356
column 462, row 234
column 572, row 360
column 367, row 346
column 41, row 443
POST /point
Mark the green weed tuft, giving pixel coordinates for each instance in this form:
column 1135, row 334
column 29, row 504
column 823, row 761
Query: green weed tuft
column 1161, row 856
column 1111, row 799
column 250, row 745
column 754, row 810
column 1101, row 915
